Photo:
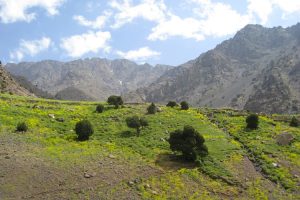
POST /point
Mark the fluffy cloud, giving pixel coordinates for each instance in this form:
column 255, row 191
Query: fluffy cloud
column 31, row 48
column 175, row 26
column 207, row 18
column 141, row 54
column 151, row 10
column 210, row 19
column 219, row 19
column 264, row 8
column 98, row 23
column 17, row 10
column 78, row 45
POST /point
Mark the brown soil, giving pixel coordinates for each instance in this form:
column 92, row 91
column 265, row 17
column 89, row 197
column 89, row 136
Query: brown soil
column 26, row 177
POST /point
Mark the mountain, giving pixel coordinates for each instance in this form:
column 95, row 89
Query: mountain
column 32, row 88
column 9, row 85
column 258, row 69
column 72, row 93
column 93, row 79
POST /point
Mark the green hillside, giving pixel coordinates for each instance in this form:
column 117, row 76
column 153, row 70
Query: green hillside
column 47, row 162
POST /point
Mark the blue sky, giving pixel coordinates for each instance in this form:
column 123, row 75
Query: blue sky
column 154, row 31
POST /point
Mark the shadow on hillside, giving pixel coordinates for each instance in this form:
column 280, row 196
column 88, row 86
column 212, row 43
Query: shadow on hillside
column 127, row 134
column 172, row 162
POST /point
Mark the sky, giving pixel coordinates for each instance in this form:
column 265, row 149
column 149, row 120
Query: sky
column 154, row 31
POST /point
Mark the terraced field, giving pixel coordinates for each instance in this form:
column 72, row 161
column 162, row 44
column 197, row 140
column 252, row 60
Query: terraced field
column 47, row 162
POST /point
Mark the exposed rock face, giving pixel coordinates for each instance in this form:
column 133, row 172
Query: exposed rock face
column 258, row 69
column 96, row 78
column 9, row 85
column 32, row 88
column 284, row 139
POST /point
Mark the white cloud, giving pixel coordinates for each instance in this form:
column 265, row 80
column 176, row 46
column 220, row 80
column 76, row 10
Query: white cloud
column 31, row 48
column 141, row 54
column 17, row 10
column 219, row 19
column 288, row 6
column 78, row 45
column 264, row 8
column 98, row 23
column 210, row 19
column 151, row 10
column 175, row 26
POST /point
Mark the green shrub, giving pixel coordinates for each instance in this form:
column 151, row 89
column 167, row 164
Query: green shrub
column 22, row 127
column 184, row 105
column 115, row 100
column 252, row 121
column 152, row 109
column 100, row 108
column 189, row 142
column 84, row 130
column 171, row 104
column 294, row 122
column 137, row 123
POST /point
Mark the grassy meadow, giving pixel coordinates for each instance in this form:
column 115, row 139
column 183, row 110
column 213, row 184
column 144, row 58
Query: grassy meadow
column 47, row 162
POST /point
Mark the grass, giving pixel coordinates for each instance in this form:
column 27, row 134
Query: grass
column 262, row 147
column 216, row 177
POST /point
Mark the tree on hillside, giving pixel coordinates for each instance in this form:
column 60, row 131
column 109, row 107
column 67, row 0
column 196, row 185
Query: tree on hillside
column 171, row 104
column 84, row 130
column 294, row 122
column 100, row 108
column 115, row 100
column 252, row 121
column 136, row 123
column 184, row 105
column 152, row 109
column 189, row 142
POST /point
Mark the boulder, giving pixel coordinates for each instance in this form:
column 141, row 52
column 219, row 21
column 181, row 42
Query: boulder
column 60, row 119
column 284, row 139
column 51, row 116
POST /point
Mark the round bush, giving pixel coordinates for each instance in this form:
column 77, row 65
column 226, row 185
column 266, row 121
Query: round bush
column 117, row 101
column 294, row 122
column 171, row 104
column 152, row 109
column 100, row 108
column 84, row 130
column 184, row 105
column 22, row 127
column 252, row 121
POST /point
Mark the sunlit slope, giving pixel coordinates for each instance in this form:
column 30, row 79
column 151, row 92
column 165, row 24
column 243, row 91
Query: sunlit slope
column 48, row 161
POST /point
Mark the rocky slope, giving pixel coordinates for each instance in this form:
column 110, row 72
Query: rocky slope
column 94, row 79
column 9, row 85
column 258, row 69
column 32, row 88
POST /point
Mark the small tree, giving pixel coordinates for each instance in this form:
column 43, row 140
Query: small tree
column 294, row 122
column 100, row 108
column 171, row 104
column 252, row 121
column 152, row 109
column 84, row 130
column 22, row 127
column 115, row 100
column 137, row 123
column 189, row 142
column 184, row 105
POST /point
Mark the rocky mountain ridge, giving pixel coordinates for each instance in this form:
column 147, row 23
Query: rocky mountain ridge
column 9, row 85
column 94, row 79
column 258, row 69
